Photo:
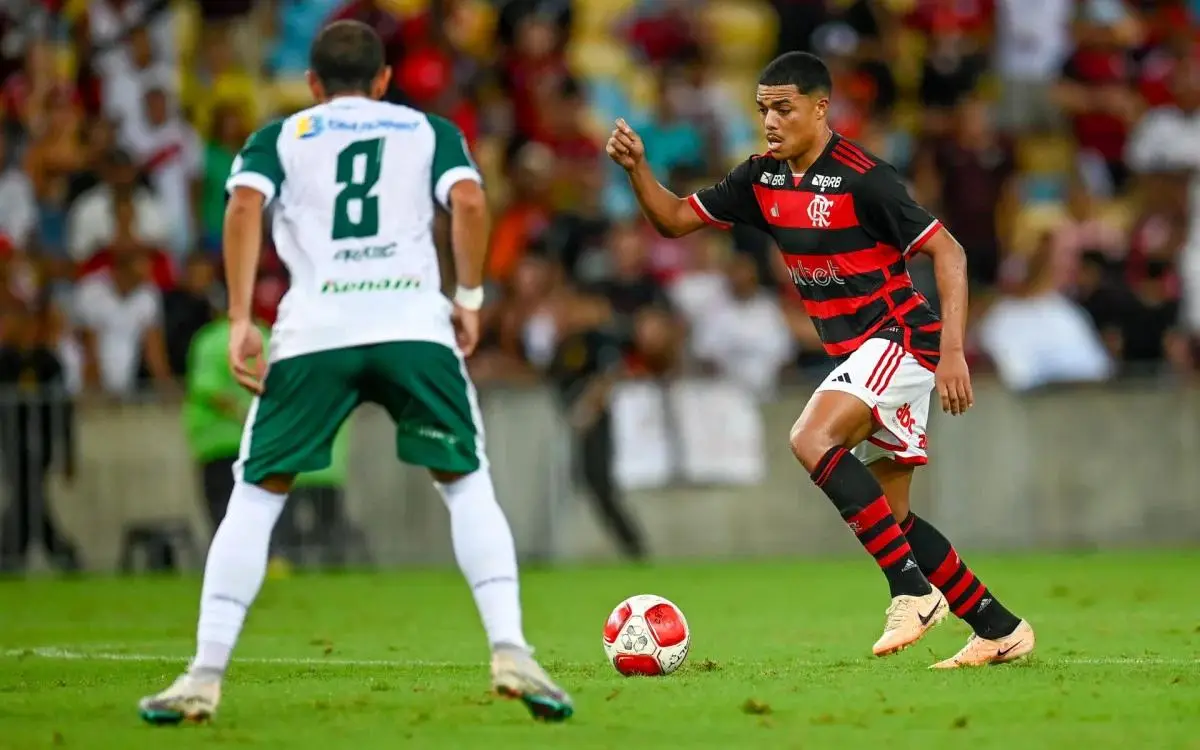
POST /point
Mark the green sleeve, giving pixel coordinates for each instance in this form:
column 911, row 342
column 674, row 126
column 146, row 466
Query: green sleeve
column 257, row 165
column 206, row 365
column 452, row 162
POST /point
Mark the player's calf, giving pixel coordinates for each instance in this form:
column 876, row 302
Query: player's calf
column 233, row 575
column 968, row 597
column 860, row 501
column 916, row 605
column 486, row 554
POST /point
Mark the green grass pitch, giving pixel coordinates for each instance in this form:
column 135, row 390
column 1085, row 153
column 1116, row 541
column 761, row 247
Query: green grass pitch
column 780, row 659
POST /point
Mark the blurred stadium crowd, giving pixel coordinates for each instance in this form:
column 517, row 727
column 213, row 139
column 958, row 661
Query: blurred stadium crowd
column 1057, row 139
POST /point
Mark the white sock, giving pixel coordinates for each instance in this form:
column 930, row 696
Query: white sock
column 483, row 546
column 236, row 567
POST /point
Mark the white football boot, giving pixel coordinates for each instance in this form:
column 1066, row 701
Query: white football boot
column 190, row 698
column 515, row 674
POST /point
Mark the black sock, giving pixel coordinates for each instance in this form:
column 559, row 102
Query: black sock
column 857, row 495
column 967, row 596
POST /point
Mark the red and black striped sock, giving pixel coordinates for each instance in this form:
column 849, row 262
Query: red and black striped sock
column 857, row 495
column 968, row 598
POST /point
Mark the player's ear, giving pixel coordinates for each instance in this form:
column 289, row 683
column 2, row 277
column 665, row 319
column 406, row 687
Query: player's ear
column 379, row 86
column 314, row 86
column 821, row 107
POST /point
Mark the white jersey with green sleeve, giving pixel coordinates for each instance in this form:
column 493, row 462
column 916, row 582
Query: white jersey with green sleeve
column 354, row 183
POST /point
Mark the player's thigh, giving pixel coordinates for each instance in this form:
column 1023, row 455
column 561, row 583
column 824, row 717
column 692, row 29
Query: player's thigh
column 425, row 388
column 841, row 412
column 291, row 427
column 896, row 387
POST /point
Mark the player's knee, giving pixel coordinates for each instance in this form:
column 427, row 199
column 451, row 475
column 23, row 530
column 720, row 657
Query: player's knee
column 809, row 444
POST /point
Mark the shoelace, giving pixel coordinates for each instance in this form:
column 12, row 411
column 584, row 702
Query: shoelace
column 897, row 612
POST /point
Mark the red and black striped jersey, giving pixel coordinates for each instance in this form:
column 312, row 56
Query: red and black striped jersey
column 845, row 228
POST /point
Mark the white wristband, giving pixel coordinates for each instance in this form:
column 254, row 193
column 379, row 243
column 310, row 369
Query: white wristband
column 470, row 299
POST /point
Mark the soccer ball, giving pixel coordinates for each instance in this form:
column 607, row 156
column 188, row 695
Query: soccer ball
column 646, row 635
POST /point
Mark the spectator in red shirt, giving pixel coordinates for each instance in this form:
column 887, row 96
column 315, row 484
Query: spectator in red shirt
column 420, row 35
column 565, row 132
column 967, row 17
column 1157, row 66
column 427, row 78
column 268, row 293
column 126, row 242
column 664, row 31
column 838, row 44
column 1098, row 94
column 972, row 175
column 533, row 73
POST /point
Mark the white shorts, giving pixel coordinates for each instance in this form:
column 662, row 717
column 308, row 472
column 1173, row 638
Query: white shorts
column 896, row 387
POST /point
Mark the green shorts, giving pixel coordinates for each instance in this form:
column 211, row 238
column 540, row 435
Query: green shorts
column 305, row 400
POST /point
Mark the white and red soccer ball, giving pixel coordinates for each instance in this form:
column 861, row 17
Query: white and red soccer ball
column 646, row 635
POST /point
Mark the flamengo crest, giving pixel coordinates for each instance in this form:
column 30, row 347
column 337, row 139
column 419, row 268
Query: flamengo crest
column 819, row 209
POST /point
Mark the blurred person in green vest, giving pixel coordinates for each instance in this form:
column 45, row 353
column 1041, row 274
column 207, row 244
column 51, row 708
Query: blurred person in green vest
column 215, row 408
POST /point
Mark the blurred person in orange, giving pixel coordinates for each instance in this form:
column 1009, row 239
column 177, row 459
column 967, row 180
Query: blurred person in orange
column 531, row 169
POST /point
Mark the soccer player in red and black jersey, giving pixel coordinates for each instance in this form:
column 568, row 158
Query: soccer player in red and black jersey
column 846, row 226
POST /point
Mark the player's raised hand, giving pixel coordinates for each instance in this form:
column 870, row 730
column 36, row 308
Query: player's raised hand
column 466, row 329
column 247, row 357
column 625, row 146
column 953, row 381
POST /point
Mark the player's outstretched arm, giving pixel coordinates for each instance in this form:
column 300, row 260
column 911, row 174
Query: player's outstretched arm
column 950, row 270
column 671, row 215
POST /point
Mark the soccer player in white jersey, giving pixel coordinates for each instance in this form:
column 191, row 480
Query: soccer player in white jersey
column 354, row 181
